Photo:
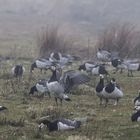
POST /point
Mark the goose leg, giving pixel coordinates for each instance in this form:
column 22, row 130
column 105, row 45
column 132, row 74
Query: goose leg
column 106, row 102
column 116, row 102
column 121, row 71
column 56, row 101
column 128, row 73
column 49, row 94
column 101, row 101
column 61, row 101
column 131, row 73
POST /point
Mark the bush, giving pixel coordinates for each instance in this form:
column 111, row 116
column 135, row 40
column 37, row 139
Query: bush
column 122, row 38
column 52, row 41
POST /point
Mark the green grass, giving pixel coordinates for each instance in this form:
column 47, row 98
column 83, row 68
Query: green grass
column 20, row 121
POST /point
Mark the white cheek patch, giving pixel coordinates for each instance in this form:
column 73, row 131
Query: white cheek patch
column 138, row 119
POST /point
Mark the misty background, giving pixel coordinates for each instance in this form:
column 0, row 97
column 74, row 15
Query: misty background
column 22, row 20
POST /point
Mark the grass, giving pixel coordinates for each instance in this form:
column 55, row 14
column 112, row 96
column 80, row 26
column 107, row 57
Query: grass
column 19, row 122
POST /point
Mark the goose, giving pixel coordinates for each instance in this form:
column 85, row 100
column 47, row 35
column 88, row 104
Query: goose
column 3, row 108
column 99, row 69
column 112, row 91
column 62, row 60
column 41, row 64
column 58, row 87
column 60, row 124
column 87, row 66
column 54, row 57
column 18, row 70
column 132, row 67
column 103, row 55
column 41, row 87
column 118, row 64
column 99, row 88
column 94, row 69
column 136, row 115
column 137, row 100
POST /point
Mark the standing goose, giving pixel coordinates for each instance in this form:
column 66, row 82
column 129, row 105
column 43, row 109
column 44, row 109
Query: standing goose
column 112, row 91
column 103, row 55
column 136, row 115
column 118, row 64
column 99, row 88
column 60, row 124
column 132, row 67
column 41, row 87
column 18, row 71
column 58, row 87
column 41, row 64
column 137, row 100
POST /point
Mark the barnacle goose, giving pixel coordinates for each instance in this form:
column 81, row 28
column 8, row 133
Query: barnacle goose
column 136, row 115
column 41, row 64
column 58, row 87
column 87, row 66
column 94, row 69
column 60, row 124
column 137, row 100
column 103, row 55
column 18, row 70
column 99, row 88
column 62, row 60
column 41, row 87
column 112, row 91
column 118, row 64
column 3, row 108
column 132, row 67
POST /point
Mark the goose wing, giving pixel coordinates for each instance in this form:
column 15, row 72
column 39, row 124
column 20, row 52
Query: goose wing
column 73, row 78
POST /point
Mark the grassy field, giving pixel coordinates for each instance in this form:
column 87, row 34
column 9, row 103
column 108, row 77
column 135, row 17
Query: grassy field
column 20, row 121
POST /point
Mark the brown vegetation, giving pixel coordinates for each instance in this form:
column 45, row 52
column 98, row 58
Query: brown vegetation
column 123, row 39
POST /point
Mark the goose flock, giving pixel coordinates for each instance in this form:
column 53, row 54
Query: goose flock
column 61, row 81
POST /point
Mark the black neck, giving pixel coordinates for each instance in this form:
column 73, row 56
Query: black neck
column 100, row 85
column 53, row 77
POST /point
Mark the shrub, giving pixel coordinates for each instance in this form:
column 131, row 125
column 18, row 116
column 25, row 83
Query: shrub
column 52, row 41
column 122, row 38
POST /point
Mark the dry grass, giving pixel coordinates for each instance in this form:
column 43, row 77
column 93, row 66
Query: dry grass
column 20, row 121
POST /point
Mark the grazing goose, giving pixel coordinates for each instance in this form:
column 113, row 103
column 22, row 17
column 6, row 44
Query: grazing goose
column 18, row 71
column 2, row 108
column 54, row 57
column 136, row 115
column 132, row 67
column 62, row 60
column 60, row 124
column 87, row 66
column 99, row 69
column 41, row 87
column 94, row 69
column 41, row 64
column 99, row 88
column 58, row 87
column 103, row 55
column 112, row 91
column 137, row 100
column 118, row 64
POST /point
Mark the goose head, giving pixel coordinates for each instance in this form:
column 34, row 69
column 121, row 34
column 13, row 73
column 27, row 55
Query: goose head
column 82, row 67
column 113, row 81
column 136, row 108
column 33, row 66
